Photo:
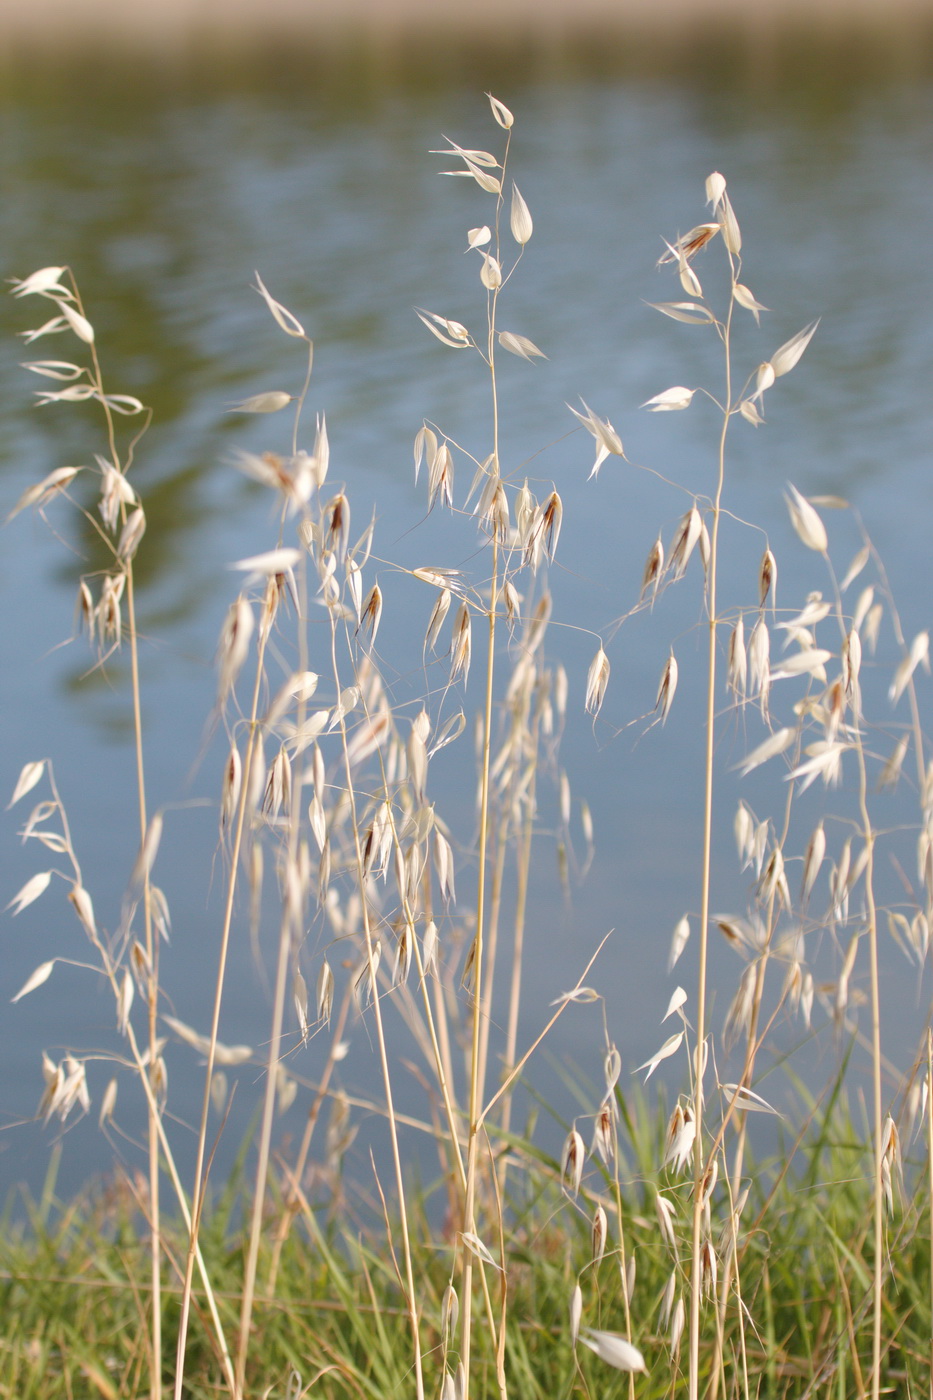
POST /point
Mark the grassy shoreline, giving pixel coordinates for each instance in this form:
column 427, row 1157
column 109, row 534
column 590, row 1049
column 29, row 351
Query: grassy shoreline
column 75, row 1289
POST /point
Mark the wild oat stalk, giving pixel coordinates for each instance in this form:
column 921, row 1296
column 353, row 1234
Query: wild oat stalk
column 119, row 507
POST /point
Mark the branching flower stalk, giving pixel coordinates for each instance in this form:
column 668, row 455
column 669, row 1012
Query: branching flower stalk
column 692, row 531
column 152, row 943
column 699, row 1158
column 87, row 383
column 492, row 279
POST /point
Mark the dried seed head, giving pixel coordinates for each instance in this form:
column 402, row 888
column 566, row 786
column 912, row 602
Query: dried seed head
column 851, row 665
column 403, row 950
column 729, row 224
column 666, row 1213
column 628, row 1277
column 654, row 568
column 689, row 244
column 737, row 675
column 600, row 1234
column 603, row 1137
column 743, row 827
column 670, row 1047
column 739, row 1015
column 816, row 850
column 109, row 619
column 429, row 947
column 767, row 579
column 607, row 439
column 461, row 644
column 710, row 1177
column 806, row 998
column 450, row 1312
column 685, row 541
column 572, row 1161
column 520, row 218
column 234, row 644
column 612, row 1068
column 773, row 881
column 131, row 534
column 337, row 525
column 513, row 603
column 277, row 795
column 325, row 992
column 283, row 317
column 784, row 359
column 230, row 791
column 576, row 1312
column 107, row 1104
column 894, row 763
column 919, row 654
column 84, row 909
column 809, row 527
column 677, row 1327
column 667, row 687
column 681, row 1135
column 501, row 113
column 444, row 867
column 553, row 515
column 116, row 492
column 615, row 1350
column 490, row 274
column 596, row 681
column 85, row 610
column 678, row 942
column 759, row 661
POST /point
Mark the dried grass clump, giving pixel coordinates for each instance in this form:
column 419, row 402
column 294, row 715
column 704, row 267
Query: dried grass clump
column 327, row 784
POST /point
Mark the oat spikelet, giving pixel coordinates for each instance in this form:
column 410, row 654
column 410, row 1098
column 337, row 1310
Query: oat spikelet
column 607, row 439
column 572, row 1161
column 891, row 771
column 615, row 1350
column 234, row 644
column 681, row 1135
column 667, row 687
column 666, row 1213
column 436, row 622
column 600, row 1234
column 767, row 579
column 576, row 1312
column 520, row 221
column 759, row 665
column 919, row 654
column 809, row 527
column 678, row 942
column 654, row 568
column 816, row 850
column 603, row 1139
column 596, row 681
column 685, row 541
column 462, row 633
column 737, row 675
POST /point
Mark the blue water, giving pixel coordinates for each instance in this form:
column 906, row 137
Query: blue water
column 165, row 201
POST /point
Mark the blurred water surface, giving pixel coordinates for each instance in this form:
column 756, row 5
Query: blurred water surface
column 165, row 190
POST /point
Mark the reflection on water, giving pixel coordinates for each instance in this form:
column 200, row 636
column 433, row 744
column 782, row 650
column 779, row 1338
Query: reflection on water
column 165, row 190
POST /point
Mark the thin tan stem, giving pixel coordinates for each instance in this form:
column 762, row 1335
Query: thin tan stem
column 226, row 926
column 411, row 1296
column 696, row 1280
